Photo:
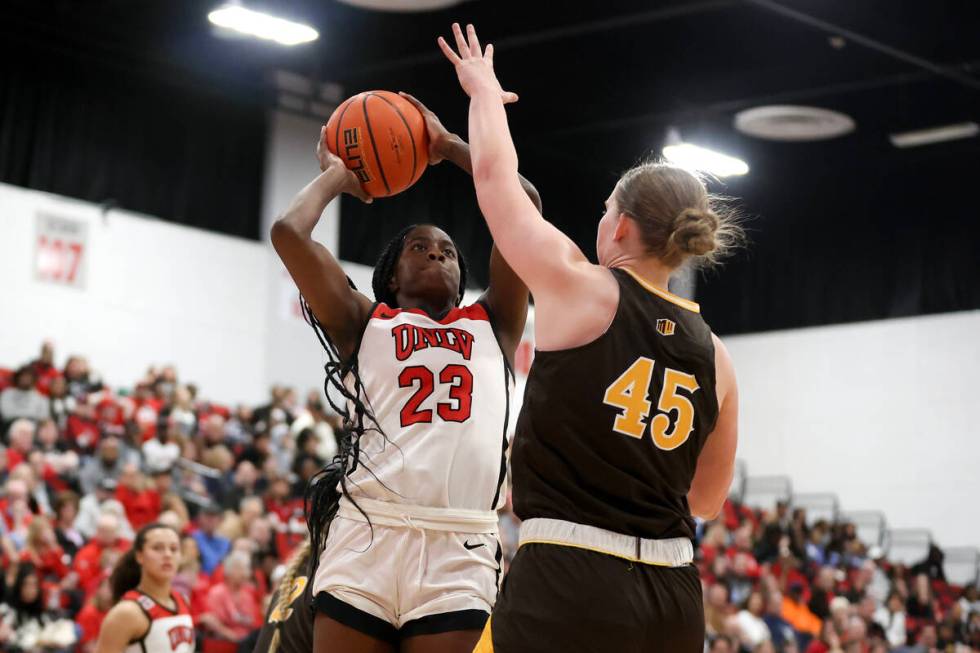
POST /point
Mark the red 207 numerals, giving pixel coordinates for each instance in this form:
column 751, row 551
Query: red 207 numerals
column 458, row 377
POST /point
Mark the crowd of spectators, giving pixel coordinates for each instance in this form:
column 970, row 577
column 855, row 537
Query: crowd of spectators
column 775, row 583
column 83, row 466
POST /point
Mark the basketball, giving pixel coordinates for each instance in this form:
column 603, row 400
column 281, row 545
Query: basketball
column 381, row 137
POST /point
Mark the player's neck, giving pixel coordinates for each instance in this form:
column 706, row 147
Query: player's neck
column 432, row 309
column 159, row 592
column 650, row 269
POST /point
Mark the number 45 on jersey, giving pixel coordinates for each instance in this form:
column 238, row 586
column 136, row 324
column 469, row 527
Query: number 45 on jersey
column 629, row 394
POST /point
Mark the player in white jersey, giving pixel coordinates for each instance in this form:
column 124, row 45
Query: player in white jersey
column 411, row 561
column 149, row 617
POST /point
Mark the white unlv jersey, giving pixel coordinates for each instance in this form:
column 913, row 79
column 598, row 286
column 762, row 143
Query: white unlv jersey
column 171, row 631
column 440, row 391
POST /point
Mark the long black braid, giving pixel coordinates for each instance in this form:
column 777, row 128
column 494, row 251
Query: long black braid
column 322, row 498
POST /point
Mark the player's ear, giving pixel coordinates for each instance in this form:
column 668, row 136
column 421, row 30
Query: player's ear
column 622, row 227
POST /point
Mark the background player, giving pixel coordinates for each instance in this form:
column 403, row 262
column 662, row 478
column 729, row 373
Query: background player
column 606, row 552
column 149, row 617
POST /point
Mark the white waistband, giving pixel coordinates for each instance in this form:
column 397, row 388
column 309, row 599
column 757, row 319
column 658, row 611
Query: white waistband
column 388, row 513
column 676, row 552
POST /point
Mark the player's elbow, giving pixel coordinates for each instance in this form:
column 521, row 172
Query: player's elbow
column 282, row 231
column 706, row 508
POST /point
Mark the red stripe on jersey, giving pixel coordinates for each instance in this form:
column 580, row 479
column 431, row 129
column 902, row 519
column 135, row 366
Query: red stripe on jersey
column 471, row 312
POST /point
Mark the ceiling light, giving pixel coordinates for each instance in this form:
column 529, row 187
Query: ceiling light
column 790, row 122
column 935, row 134
column 700, row 159
column 263, row 26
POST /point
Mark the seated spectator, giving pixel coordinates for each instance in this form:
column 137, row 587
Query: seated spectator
column 232, row 608
column 92, row 615
column 779, row 629
column 754, row 630
column 22, row 400
column 213, row 547
column 162, row 451
column 102, row 501
column 182, row 414
column 891, row 617
column 80, row 379
column 42, row 551
column 60, row 403
column 65, row 512
column 23, row 619
column 162, row 482
column 20, row 442
column 61, row 464
column 191, row 581
column 44, row 368
column 140, row 501
column 716, row 609
column 314, row 417
column 245, row 483
column 111, row 456
column 15, row 511
column 822, row 593
column 88, row 563
column 797, row 614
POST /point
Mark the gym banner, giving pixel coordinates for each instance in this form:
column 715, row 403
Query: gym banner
column 60, row 250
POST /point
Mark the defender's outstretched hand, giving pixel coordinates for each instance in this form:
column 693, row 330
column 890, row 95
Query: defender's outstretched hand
column 474, row 66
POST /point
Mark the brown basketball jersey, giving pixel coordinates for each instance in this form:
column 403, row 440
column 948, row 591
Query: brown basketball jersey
column 610, row 432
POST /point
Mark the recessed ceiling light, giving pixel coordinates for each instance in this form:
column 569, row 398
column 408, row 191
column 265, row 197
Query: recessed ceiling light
column 786, row 122
column 701, row 159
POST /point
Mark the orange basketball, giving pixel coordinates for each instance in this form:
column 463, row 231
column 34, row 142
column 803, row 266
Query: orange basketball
column 381, row 137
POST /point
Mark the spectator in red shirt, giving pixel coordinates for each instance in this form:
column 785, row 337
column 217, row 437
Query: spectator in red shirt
column 15, row 509
column 141, row 502
column 43, row 552
column 232, row 608
column 87, row 563
column 90, row 617
column 44, row 367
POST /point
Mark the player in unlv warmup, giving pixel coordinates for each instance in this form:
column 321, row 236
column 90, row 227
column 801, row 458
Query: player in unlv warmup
column 149, row 617
column 411, row 561
column 629, row 421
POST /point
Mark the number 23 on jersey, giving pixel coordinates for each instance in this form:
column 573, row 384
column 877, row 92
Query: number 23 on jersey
column 629, row 394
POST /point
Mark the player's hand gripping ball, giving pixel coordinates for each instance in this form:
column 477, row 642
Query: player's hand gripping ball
column 381, row 138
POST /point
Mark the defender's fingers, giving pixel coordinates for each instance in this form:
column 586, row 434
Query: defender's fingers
column 448, row 51
column 474, row 42
column 461, row 45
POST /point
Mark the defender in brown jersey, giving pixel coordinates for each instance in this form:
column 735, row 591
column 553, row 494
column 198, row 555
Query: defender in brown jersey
column 629, row 423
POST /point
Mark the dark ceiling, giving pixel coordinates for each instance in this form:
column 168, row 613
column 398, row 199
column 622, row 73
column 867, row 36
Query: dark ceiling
column 600, row 83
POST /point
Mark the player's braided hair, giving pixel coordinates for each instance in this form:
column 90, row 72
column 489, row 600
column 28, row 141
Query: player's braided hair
column 297, row 564
column 322, row 497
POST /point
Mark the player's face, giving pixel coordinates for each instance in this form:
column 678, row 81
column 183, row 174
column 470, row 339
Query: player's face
column 604, row 244
column 160, row 555
column 428, row 268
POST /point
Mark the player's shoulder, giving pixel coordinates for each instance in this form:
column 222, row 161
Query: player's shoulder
column 128, row 616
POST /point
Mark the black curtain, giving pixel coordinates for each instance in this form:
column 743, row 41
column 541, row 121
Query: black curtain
column 96, row 131
column 833, row 238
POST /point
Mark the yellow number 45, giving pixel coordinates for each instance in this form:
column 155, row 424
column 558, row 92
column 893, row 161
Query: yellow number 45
column 629, row 394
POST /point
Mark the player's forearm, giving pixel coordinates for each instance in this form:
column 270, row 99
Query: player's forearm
column 307, row 206
column 458, row 151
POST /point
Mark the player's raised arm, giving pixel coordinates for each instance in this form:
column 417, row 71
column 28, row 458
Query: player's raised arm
column 507, row 294
column 545, row 258
column 341, row 310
